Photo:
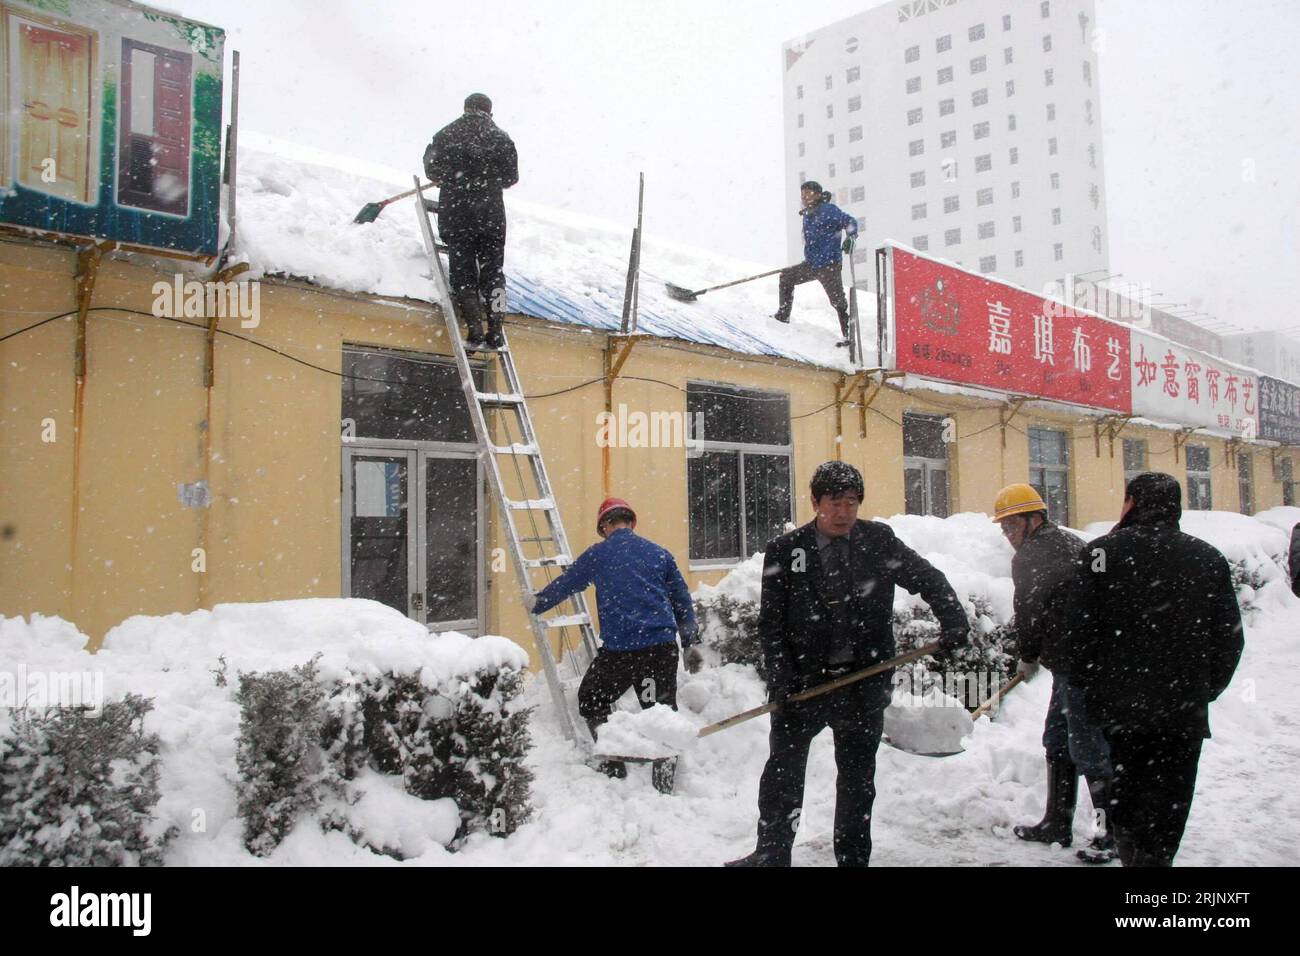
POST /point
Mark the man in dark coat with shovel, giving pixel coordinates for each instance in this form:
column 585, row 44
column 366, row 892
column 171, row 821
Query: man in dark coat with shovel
column 827, row 604
column 1155, row 636
column 471, row 160
column 823, row 221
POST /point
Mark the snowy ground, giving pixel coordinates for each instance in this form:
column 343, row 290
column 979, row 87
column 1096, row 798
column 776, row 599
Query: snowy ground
column 930, row 811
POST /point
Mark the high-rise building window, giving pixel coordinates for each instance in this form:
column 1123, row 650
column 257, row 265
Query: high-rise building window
column 983, row 163
column 830, row 170
column 1198, row 477
column 916, row 147
column 952, row 237
column 984, row 197
column 979, row 97
column 946, row 107
column 1087, row 72
column 979, row 64
column 918, row 210
column 1049, row 77
column 914, row 116
column 1056, row 216
column 862, row 224
column 943, row 43
column 855, row 134
column 921, row 243
column 799, row 121
column 801, row 149
column 985, row 230
column 855, row 103
column 828, row 81
column 1045, row 8
column 1015, row 223
column 1051, row 146
column 830, row 111
column 949, row 167
column 1058, row 251
column 982, row 130
column 975, row 33
column 1008, row 55
column 945, row 75
column 951, row 203
column 911, row 54
column 1013, row 155
column 1015, row 189
column 1047, row 43
column 947, row 138
column 1056, row 180
column 1006, row 21
column 918, row 178
column 855, row 164
column 859, row 194
column 798, row 92
column 1011, row 87
column 1011, row 122
column 1020, row 258
column 914, row 84
column 830, row 140
column 988, row 264
column 1051, row 112
column 853, row 74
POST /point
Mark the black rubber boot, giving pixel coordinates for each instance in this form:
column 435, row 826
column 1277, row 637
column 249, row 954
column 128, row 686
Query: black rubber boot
column 496, row 337
column 471, row 312
column 1058, row 818
column 760, row 858
column 1102, row 848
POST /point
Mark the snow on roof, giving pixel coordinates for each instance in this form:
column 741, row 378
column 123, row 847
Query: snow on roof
column 295, row 212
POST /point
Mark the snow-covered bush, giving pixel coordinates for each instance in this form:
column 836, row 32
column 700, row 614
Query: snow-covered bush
column 78, row 789
column 730, row 626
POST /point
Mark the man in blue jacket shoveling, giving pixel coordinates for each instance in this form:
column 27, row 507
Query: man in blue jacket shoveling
column 822, row 254
column 643, row 604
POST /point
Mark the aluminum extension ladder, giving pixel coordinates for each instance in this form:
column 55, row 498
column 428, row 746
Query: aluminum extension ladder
column 522, row 495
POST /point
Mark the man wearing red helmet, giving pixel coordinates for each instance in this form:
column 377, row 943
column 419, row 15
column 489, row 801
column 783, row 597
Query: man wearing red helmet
column 643, row 603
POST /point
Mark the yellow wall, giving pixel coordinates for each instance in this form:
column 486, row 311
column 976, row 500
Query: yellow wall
column 270, row 446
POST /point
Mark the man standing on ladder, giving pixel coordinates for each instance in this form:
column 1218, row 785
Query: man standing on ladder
column 822, row 260
column 471, row 160
column 643, row 604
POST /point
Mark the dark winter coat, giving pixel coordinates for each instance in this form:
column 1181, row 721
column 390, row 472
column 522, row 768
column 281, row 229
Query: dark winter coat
column 822, row 224
column 1042, row 572
column 471, row 160
column 1295, row 560
column 795, row 623
column 1155, row 629
column 640, row 594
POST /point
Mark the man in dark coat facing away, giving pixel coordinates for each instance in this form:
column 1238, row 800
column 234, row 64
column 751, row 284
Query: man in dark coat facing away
column 827, row 603
column 1295, row 560
column 471, row 160
column 1155, row 636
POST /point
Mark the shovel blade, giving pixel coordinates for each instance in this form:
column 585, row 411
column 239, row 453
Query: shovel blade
column 369, row 212
column 680, row 294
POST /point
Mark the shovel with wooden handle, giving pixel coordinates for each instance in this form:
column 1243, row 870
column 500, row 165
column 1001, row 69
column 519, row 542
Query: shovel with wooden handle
column 689, row 295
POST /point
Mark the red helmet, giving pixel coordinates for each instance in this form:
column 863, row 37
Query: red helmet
column 610, row 505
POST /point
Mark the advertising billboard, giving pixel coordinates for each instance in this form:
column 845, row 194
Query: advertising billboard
column 1174, row 383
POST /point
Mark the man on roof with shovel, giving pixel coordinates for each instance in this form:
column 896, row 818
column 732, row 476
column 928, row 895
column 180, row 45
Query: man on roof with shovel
column 471, row 160
column 826, row 611
column 823, row 221
column 1043, row 572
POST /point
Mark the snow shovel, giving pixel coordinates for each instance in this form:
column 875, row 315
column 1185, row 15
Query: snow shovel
column 687, row 295
column 952, row 736
column 371, row 210
column 820, row 689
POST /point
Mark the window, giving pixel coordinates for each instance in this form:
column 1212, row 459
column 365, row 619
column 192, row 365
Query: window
column 859, row 194
column 911, row 54
column 799, row 121
column 1020, row 258
column 979, row 97
column 1056, row 216
column 862, row 224
column 798, row 92
column 382, row 390
column 918, row 178
column 1013, row 155
column 1045, row 8
column 1284, row 475
column 988, row 264
column 154, row 139
column 952, row 237
column 1135, row 458
column 1015, row 223
column 1047, row 43
column 1049, row 76
column 951, row 203
column 855, row 134
column 855, row 164
column 948, row 138
column 949, row 167
column 1015, row 188
column 830, row 140
column 914, row 84
column 979, row 64
column 1056, row 180
column 946, row 107
column 914, row 116
column 984, row 197
column 982, row 130
column 830, row 111
column 1008, row 55
column 828, row 81
column 1198, row 477
column 855, row 103
column 830, row 170
column 916, row 147
column 1011, row 87
column 1011, row 122
column 801, row 149
column 739, row 489
column 1087, row 72
column 925, row 465
column 1006, row 21
column 975, row 33
column 853, row 74
column 985, row 230
column 1049, row 471
column 983, row 163
column 918, row 211
column 1051, row 112
column 1051, row 146
column 943, row 44
column 921, row 243
column 945, row 75
column 1058, row 252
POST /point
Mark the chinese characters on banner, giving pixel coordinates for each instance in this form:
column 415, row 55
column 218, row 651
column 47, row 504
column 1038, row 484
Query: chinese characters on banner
column 1172, row 383
column 1279, row 411
column 962, row 328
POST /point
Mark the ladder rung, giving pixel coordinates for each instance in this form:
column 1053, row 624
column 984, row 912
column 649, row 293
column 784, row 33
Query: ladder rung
column 555, row 561
column 531, row 504
column 567, row 620
column 545, row 537
column 499, row 398
column 518, row 448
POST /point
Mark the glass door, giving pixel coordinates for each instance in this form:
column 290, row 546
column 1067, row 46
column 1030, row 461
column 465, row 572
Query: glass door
column 379, row 528
column 451, row 532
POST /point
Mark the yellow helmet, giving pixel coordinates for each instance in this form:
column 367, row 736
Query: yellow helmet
column 1017, row 499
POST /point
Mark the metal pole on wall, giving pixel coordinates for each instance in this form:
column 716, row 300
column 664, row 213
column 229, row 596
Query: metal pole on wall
column 232, row 153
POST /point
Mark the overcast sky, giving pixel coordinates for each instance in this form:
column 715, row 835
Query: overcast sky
column 1199, row 106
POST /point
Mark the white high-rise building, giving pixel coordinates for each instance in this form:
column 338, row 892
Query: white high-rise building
column 970, row 129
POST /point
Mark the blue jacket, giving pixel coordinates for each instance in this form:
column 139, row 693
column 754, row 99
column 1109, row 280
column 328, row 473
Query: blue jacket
column 640, row 595
column 821, row 233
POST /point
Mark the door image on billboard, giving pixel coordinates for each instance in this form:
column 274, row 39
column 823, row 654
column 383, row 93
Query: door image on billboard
column 153, row 170
column 47, row 71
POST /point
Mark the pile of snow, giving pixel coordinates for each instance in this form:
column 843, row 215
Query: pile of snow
column 652, row 733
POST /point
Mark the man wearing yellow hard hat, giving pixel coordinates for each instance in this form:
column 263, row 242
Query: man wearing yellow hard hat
column 1042, row 572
